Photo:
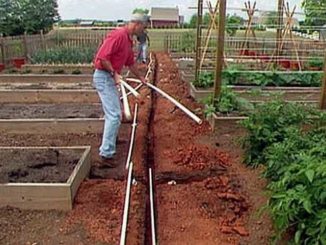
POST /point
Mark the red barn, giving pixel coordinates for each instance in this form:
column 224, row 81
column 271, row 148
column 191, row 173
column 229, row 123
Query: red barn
column 165, row 17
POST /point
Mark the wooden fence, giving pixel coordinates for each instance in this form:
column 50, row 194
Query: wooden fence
column 26, row 46
column 182, row 42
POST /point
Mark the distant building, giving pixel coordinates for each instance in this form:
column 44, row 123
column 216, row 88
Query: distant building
column 165, row 17
column 86, row 23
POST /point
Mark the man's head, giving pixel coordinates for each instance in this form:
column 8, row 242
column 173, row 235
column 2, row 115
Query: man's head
column 138, row 23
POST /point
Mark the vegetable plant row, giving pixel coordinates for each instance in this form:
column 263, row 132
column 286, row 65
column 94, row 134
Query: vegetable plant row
column 290, row 140
column 267, row 78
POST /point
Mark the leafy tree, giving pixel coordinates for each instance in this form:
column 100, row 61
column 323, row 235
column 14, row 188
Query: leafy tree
column 10, row 17
column 140, row 11
column 194, row 18
column 193, row 21
column 315, row 11
column 270, row 18
column 207, row 19
column 40, row 15
column 233, row 22
column 18, row 16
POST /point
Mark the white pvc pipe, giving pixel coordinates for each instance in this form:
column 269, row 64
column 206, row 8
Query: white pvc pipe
column 126, row 208
column 125, row 103
column 180, row 106
column 151, row 199
column 131, row 89
column 133, row 80
column 137, row 88
column 132, row 139
column 149, row 66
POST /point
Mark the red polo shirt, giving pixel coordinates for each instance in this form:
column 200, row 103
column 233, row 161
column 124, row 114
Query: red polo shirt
column 116, row 48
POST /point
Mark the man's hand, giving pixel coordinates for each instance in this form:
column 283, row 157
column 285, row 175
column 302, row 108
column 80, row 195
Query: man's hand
column 117, row 78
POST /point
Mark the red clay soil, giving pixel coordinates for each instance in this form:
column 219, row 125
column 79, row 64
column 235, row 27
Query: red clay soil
column 214, row 210
column 96, row 218
column 199, row 212
column 97, row 208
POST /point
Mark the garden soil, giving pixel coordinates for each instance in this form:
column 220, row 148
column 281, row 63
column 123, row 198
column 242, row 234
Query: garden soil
column 37, row 166
column 61, row 111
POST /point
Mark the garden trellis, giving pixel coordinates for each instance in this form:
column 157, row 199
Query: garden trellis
column 271, row 40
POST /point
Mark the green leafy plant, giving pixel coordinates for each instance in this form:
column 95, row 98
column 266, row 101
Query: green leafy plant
column 227, row 102
column 205, row 80
column 236, row 77
column 267, row 124
column 64, row 55
column 187, row 42
column 316, row 63
column 292, row 145
column 297, row 170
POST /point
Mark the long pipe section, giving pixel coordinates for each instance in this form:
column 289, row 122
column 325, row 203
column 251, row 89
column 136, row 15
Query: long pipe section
column 180, row 106
column 132, row 139
column 133, row 80
column 125, row 102
column 126, row 208
column 151, row 199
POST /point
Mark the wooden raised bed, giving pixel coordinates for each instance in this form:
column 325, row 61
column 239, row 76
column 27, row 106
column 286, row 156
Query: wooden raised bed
column 48, row 78
column 55, row 96
column 187, row 76
column 265, row 94
column 54, row 126
column 218, row 122
column 311, row 94
column 178, row 55
column 185, row 64
column 62, row 68
column 46, row 195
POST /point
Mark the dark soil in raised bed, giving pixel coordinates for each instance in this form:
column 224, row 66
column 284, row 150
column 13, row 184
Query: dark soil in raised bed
column 47, row 111
column 37, row 166
column 93, row 140
column 44, row 85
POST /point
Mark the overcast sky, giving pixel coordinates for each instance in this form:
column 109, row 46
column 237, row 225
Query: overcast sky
column 121, row 9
